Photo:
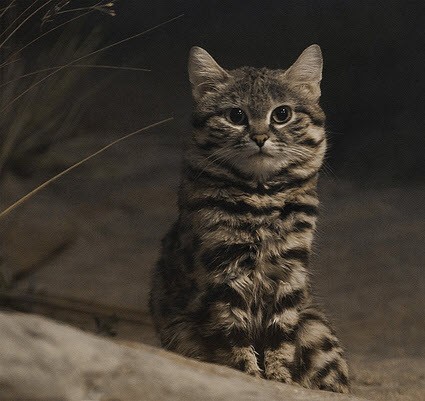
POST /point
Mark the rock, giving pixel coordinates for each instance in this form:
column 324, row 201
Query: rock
column 41, row 359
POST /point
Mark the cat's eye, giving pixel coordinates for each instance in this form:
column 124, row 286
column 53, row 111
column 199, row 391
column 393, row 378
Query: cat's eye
column 236, row 116
column 281, row 114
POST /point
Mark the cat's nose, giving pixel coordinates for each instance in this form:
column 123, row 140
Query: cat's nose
column 260, row 139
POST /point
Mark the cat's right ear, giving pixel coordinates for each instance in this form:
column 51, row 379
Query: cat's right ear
column 204, row 72
column 306, row 72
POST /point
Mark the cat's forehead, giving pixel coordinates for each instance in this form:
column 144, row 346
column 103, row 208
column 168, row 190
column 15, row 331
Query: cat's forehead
column 258, row 79
column 253, row 74
column 258, row 87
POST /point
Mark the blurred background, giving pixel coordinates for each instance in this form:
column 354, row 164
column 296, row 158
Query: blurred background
column 82, row 249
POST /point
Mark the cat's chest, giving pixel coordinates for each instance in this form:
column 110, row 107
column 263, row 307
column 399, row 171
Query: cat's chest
column 258, row 291
column 252, row 260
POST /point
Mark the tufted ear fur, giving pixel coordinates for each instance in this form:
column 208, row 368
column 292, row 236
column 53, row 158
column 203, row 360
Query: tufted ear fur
column 204, row 71
column 306, row 72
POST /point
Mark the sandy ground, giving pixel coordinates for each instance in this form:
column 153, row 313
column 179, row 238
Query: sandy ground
column 94, row 236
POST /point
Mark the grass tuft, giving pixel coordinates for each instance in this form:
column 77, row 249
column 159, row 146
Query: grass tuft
column 33, row 116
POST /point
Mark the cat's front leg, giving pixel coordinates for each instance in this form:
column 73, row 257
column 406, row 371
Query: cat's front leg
column 241, row 357
column 320, row 361
column 280, row 349
column 226, row 330
column 301, row 347
column 281, row 333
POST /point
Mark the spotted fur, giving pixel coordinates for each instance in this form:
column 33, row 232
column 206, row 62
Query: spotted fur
column 232, row 284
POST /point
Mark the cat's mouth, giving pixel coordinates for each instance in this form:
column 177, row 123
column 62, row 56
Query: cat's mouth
column 261, row 154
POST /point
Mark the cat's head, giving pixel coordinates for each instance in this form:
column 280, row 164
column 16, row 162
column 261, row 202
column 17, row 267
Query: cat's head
column 257, row 120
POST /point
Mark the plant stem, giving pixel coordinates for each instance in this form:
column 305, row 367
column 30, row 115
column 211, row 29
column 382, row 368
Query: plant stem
column 30, row 194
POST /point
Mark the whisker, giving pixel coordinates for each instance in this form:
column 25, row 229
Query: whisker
column 329, row 172
column 212, row 161
column 217, row 155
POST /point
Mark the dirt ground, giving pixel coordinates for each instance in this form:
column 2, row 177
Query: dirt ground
column 94, row 236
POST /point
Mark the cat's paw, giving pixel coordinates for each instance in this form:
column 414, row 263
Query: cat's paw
column 331, row 377
column 245, row 359
column 279, row 363
column 282, row 375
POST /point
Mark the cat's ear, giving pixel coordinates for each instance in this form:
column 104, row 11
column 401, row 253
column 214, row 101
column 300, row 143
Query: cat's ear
column 204, row 72
column 307, row 70
column 308, row 67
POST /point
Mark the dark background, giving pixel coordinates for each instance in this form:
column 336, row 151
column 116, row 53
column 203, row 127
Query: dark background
column 374, row 54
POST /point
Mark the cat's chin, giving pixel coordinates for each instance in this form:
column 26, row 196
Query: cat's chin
column 260, row 165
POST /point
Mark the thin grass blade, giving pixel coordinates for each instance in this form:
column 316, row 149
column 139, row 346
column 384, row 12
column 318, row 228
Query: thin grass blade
column 86, row 56
column 30, row 194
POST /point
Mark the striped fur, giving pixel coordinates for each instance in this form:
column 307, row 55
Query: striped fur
column 232, row 284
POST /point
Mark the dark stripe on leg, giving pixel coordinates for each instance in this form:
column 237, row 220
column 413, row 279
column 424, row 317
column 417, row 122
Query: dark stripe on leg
column 323, row 372
column 305, row 356
column 288, row 301
column 302, row 226
column 276, row 335
column 342, row 378
column 301, row 254
column 307, row 316
column 328, row 344
column 236, row 337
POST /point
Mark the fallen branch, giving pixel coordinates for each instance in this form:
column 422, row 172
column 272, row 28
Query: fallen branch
column 18, row 300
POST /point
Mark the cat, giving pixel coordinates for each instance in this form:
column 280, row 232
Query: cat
column 232, row 283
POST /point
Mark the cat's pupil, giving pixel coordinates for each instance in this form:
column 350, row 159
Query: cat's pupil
column 281, row 114
column 237, row 116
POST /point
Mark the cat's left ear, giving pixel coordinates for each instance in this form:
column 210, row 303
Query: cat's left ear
column 204, row 72
column 307, row 70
